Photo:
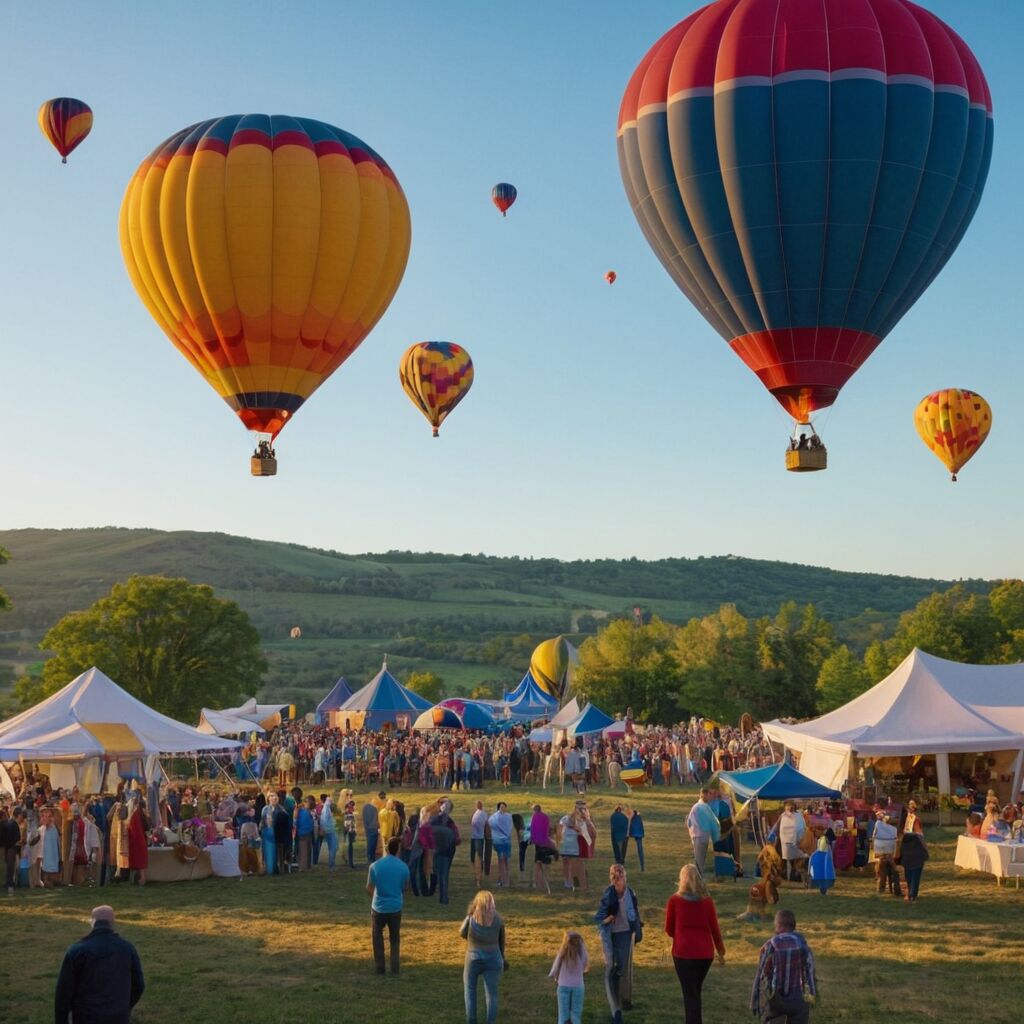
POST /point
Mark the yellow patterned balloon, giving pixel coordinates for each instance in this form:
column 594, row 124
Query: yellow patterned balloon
column 549, row 665
column 954, row 424
column 436, row 376
column 266, row 247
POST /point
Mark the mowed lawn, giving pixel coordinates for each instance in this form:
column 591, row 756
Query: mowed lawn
column 296, row 949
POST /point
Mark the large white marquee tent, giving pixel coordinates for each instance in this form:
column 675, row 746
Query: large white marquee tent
column 926, row 705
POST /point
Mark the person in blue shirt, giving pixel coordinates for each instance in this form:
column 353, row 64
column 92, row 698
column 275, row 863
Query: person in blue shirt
column 387, row 881
column 636, row 833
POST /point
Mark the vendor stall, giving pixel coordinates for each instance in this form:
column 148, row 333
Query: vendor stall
column 1004, row 860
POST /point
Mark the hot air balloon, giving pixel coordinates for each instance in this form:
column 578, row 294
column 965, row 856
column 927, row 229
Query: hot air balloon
column 954, row 424
column 803, row 170
column 266, row 247
column 610, row 276
column 550, row 664
column 65, row 122
column 503, row 195
column 436, row 376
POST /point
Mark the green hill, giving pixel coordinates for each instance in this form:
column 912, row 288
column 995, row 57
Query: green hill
column 471, row 618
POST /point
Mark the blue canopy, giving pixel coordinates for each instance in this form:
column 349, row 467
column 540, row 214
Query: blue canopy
column 334, row 701
column 529, row 692
column 589, row 721
column 383, row 698
column 776, row 782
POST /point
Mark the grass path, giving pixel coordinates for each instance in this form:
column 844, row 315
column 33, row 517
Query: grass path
column 296, row 949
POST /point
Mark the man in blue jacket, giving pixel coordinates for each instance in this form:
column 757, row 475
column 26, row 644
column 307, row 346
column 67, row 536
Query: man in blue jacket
column 101, row 976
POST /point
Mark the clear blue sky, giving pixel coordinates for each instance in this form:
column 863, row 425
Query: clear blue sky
column 604, row 421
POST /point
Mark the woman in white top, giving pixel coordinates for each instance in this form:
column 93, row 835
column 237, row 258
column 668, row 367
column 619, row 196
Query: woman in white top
column 568, row 846
column 791, row 830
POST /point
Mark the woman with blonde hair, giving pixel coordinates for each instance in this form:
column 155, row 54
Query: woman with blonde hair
column 691, row 921
column 571, row 963
column 484, row 932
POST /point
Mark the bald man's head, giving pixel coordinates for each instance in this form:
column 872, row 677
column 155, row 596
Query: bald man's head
column 104, row 914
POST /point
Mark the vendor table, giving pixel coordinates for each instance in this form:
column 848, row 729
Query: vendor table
column 164, row 866
column 992, row 858
column 224, row 859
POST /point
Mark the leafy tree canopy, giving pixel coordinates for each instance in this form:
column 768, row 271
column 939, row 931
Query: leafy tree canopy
column 429, row 685
column 5, row 601
column 171, row 643
column 842, row 677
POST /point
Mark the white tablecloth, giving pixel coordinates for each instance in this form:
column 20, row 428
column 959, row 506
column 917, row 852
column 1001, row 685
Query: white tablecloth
column 224, row 858
column 981, row 855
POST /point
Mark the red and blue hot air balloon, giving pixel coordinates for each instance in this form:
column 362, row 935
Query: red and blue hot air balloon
column 503, row 195
column 803, row 169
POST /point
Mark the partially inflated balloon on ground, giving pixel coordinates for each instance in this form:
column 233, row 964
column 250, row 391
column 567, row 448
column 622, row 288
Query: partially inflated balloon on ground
column 436, row 375
column 549, row 665
column 953, row 423
column 65, row 122
column 266, row 248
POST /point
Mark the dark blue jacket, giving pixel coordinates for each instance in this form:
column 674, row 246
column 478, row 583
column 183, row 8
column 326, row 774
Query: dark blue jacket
column 100, row 979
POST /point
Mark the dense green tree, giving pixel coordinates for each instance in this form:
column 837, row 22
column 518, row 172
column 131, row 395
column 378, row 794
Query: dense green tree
column 485, row 691
column 792, row 648
column 171, row 643
column 717, row 657
column 429, row 685
column 627, row 665
column 841, row 678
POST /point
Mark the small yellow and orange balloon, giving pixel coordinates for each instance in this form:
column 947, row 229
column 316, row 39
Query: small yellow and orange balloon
column 611, row 276
column 436, row 375
column 65, row 122
column 953, row 423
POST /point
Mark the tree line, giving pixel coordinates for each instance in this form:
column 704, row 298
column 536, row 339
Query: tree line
column 789, row 665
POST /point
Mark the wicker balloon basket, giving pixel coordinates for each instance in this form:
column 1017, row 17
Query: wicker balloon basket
column 263, row 466
column 806, row 460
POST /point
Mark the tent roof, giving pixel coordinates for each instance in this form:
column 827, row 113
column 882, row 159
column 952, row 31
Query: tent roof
column 529, row 693
column 384, row 693
column 566, row 716
column 591, row 719
column 93, row 717
column 335, row 700
column 217, row 723
column 776, row 782
column 925, row 705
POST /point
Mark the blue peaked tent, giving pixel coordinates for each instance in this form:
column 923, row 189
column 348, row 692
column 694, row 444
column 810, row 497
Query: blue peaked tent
column 529, row 701
column 590, row 720
column 776, row 782
column 383, row 699
column 334, row 701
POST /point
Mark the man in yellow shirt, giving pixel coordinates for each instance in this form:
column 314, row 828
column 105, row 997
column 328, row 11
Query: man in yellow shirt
column 389, row 822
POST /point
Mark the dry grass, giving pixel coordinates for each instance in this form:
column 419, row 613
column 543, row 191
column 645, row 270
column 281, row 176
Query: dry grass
column 296, row 949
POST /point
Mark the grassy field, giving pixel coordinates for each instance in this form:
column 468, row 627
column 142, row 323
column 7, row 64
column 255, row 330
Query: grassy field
column 297, row 949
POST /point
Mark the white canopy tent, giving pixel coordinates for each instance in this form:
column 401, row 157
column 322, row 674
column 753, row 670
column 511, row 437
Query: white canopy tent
column 566, row 716
column 219, row 723
column 926, row 705
column 92, row 722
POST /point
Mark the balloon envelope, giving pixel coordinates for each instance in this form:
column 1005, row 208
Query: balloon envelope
column 266, row 247
column 549, row 665
column 503, row 195
column 65, row 122
column 610, row 276
column 953, row 423
column 436, row 375
column 803, row 170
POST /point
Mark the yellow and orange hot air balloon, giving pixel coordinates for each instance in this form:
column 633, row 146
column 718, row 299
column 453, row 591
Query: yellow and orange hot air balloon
column 266, row 247
column 436, row 376
column 953, row 423
column 65, row 122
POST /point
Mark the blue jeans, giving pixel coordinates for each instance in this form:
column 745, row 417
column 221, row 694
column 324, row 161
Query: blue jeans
column 619, row 849
column 570, row 1004
column 371, row 846
column 439, row 879
column 913, row 877
column 489, row 966
column 331, row 839
column 639, row 840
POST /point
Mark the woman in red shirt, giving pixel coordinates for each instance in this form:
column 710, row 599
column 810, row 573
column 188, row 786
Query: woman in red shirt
column 691, row 920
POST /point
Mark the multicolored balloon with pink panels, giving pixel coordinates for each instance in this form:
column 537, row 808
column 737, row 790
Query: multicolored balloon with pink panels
column 436, row 375
column 804, row 169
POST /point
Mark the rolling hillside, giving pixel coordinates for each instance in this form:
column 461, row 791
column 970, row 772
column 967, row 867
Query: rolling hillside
column 471, row 618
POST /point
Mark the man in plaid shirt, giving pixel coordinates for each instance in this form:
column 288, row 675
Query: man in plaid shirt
column 784, row 986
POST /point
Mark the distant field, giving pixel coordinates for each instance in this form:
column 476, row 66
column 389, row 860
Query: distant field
column 303, row 942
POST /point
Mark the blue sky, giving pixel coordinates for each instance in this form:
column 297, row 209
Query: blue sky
column 603, row 421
